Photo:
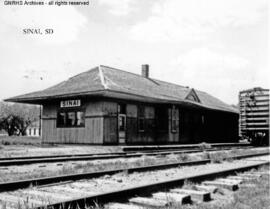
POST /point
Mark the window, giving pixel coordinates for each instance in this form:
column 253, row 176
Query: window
column 70, row 118
column 141, row 122
column 174, row 119
column 122, row 117
column 121, row 108
column 122, row 122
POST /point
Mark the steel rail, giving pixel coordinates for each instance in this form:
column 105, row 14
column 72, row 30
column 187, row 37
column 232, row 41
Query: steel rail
column 57, row 156
column 182, row 146
column 157, row 149
column 81, row 157
column 124, row 194
column 15, row 185
column 105, row 154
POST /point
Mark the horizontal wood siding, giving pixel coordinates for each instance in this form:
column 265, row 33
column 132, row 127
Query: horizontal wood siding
column 110, row 128
column 92, row 133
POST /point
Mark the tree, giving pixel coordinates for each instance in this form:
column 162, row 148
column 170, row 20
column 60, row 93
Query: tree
column 15, row 118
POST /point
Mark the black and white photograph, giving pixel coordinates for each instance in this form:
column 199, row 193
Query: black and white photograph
column 131, row 104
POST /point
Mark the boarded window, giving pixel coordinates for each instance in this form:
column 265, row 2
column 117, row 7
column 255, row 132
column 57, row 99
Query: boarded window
column 70, row 118
column 141, row 120
column 161, row 118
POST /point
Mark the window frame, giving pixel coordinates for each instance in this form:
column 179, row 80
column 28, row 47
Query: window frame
column 174, row 119
column 141, row 118
column 66, row 111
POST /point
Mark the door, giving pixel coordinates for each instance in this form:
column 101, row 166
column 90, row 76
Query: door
column 122, row 123
column 122, row 128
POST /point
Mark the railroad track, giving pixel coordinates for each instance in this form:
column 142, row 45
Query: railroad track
column 44, row 188
column 83, row 157
column 205, row 191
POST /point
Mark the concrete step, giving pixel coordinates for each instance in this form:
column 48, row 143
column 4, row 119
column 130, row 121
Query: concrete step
column 195, row 194
column 149, row 202
column 225, row 185
column 172, row 197
column 207, row 188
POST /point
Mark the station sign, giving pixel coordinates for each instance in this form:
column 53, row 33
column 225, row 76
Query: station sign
column 70, row 103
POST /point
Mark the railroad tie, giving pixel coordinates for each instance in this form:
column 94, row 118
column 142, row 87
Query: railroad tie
column 252, row 175
column 243, row 178
column 248, row 186
column 233, row 181
column 226, row 185
column 207, row 188
column 201, row 196
column 122, row 206
column 260, row 173
column 46, row 195
column 173, row 197
column 149, row 202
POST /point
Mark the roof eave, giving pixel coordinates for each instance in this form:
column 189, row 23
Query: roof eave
column 41, row 99
column 117, row 95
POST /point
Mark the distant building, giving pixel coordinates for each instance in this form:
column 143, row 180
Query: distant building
column 33, row 129
column 254, row 112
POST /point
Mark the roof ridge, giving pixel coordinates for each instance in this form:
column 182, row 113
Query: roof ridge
column 79, row 74
column 152, row 79
column 102, row 78
column 113, row 68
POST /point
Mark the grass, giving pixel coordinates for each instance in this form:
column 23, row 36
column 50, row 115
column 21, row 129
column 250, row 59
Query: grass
column 220, row 157
column 87, row 167
column 20, row 140
column 204, row 146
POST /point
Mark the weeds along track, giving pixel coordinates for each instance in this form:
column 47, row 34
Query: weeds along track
column 103, row 187
column 83, row 157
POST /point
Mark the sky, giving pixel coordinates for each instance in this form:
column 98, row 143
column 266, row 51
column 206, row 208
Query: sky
column 217, row 46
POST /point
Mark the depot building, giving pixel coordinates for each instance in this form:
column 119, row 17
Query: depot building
column 110, row 106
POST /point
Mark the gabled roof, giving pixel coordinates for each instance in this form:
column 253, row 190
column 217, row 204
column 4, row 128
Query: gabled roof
column 110, row 82
column 193, row 96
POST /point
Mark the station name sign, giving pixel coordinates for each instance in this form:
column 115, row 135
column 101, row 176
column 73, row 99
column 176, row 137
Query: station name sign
column 70, row 103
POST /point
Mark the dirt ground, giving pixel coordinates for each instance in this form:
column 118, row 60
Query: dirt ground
column 31, row 146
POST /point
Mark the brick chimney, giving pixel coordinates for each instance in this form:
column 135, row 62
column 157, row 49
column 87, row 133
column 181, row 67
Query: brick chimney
column 145, row 71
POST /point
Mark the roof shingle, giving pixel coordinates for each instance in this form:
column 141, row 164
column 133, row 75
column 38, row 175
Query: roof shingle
column 113, row 82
